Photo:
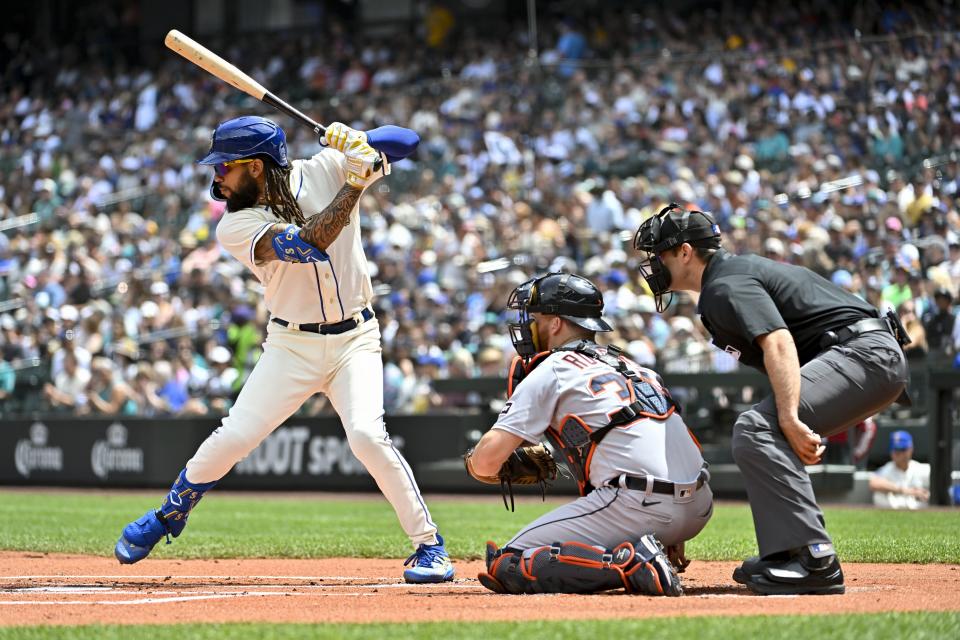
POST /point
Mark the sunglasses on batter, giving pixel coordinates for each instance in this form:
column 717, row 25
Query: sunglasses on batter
column 221, row 168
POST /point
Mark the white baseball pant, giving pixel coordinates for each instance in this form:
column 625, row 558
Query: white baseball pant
column 348, row 369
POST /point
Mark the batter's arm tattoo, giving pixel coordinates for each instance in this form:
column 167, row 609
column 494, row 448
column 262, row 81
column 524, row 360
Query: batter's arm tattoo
column 322, row 229
column 264, row 251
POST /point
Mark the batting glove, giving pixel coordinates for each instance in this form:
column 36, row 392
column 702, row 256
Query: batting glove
column 364, row 165
column 341, row 137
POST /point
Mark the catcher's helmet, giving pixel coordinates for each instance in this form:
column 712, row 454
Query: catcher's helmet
column 245, row 137
column 569, row 296
column 667, row 230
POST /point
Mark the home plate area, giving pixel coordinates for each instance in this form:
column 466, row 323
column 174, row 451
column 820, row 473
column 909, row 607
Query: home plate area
column 42, row 588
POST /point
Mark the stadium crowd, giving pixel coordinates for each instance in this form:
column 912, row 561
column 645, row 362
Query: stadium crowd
column 818, row 133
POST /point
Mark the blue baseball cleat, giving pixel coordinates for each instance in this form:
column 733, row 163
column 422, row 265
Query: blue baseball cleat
column 430, row 564
column 140, row 536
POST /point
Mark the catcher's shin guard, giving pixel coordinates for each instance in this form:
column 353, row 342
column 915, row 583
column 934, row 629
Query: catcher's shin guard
column 575, row 567
column 140, row 536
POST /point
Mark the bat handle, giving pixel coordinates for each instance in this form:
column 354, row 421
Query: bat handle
column 296, row 114
column 293, row 112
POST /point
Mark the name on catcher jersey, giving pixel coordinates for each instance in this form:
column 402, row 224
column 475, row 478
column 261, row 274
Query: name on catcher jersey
column 568, row 383
column 322, row 292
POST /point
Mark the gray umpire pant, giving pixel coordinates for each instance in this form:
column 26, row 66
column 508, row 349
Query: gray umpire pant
column 839, row 388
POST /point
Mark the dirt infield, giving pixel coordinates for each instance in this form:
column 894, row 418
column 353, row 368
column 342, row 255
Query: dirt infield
column 71, row 589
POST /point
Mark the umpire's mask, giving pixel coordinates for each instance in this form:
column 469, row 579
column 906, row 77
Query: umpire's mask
column 665, row 231
column 569, row 296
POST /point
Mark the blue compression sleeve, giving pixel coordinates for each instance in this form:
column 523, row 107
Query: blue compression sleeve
column 396, row 142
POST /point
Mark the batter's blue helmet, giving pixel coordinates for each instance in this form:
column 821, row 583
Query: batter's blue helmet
column 244, row 137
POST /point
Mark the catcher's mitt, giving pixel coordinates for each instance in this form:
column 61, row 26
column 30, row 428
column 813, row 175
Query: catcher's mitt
column 526, row 465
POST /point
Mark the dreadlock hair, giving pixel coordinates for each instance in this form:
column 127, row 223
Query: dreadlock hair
column 277, row 194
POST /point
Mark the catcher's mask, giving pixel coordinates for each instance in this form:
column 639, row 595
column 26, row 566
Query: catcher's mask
column 665, row 231
column 571, row 297
column 241, row 138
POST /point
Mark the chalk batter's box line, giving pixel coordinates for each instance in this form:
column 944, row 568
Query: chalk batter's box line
column 158, row 585
column 143, row 601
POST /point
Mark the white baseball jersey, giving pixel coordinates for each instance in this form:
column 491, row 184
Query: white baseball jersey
column 916, row 476
column 568, row 383
column 323, row 292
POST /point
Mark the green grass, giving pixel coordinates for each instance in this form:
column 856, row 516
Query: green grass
column 231, row 525
column 893, row 626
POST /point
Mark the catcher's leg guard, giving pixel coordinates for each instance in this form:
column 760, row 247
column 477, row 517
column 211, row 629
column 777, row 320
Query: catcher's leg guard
column 575, row 567
column 140, row 536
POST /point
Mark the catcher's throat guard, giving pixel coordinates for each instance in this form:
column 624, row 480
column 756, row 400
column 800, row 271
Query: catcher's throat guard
column 523, row 333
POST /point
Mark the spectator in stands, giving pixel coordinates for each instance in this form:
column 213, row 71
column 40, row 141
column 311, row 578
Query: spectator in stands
column 491, row 362
column 68, row 392
column 939, row 321
column 172, row 391
column 243, row 338
column 400, row 385
column 145, row 392
column 917, row 349
column 8, row 381
column 822, row 151
column 105, row 393
column 220, row 384
column 902, row 483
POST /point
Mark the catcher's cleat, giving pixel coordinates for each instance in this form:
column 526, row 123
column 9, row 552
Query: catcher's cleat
column 140, row 536
column 430, row 564
column 813, row 570
column 654, row 574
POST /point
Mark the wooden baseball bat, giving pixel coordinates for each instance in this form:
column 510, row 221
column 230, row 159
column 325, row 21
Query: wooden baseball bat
column 217, row 66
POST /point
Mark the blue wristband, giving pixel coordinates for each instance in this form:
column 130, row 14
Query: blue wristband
column 290, row 247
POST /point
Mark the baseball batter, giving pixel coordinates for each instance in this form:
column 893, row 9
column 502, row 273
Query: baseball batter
column 295, row 225
column 641, row 475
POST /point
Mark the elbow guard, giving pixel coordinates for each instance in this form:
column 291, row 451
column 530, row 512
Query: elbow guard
column 290, row 247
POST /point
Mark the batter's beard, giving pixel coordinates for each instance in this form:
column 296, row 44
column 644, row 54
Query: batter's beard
column 245, row 195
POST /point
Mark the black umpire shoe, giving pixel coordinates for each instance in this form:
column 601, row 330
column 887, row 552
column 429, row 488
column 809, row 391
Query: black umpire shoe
column 803, row 574
column 754, row 565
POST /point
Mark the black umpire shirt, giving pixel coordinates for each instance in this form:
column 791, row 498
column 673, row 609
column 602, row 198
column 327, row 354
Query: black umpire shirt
column 744, row 297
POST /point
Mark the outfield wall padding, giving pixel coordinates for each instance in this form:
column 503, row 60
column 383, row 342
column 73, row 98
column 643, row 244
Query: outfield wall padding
column 303, row 454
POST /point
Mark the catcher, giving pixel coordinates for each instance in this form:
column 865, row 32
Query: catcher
column 643, row 483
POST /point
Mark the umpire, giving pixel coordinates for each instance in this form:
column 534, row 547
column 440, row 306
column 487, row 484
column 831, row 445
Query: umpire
column 832, row 361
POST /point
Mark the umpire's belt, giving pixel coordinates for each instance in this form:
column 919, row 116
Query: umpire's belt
column 831, row 338
column 664, row 487
column 328, row 329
